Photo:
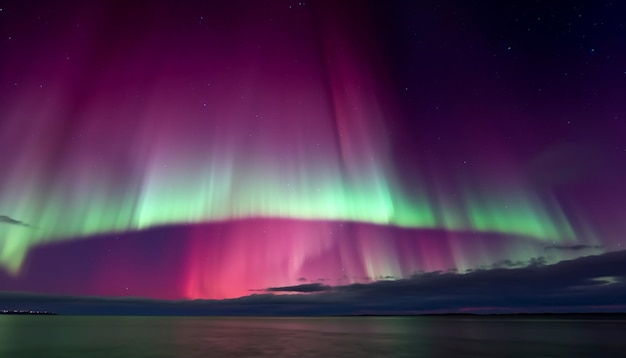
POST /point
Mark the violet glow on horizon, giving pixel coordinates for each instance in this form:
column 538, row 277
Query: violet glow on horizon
column 207, row 150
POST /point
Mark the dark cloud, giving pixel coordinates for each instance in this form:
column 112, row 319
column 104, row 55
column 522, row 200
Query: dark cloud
column 578, row 247
column 535, row 261
column 583, row 284
column 305, row 288
column 9, row 220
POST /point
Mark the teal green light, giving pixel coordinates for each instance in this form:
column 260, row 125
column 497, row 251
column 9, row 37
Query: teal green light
column 95, row 207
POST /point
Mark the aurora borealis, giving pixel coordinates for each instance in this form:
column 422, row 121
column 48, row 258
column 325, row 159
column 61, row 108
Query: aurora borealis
column 213, row 149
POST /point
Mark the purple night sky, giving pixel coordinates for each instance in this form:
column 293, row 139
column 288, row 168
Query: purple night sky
column 220, row 149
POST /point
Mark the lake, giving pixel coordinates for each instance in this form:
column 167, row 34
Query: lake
column 188, row 337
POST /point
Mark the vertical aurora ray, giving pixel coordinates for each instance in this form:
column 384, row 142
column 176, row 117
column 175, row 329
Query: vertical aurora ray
column 289, row 123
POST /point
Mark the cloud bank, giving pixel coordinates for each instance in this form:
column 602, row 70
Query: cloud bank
column 591, row 283
column 4, row 219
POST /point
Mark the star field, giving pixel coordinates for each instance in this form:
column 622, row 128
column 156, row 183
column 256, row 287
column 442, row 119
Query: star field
column 207, row 150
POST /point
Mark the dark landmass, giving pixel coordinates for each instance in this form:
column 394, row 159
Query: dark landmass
column 573, row 315
column 25, row 312
column 563, row 316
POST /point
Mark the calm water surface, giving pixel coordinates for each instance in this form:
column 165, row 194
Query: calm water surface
column 135, row 337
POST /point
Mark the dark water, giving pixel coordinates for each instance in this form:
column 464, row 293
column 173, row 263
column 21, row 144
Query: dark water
column 75, row 336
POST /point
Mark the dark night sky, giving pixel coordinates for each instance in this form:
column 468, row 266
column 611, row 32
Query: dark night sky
column 297, row 157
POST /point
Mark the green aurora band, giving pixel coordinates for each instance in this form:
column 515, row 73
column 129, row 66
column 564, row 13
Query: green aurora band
column 90, row 207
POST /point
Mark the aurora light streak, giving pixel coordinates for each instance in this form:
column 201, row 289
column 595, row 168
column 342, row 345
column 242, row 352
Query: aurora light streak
column 260, row 135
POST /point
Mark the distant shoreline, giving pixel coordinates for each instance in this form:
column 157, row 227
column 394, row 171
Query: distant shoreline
column 585, row 315
column 24, row 312
column 581, row 315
